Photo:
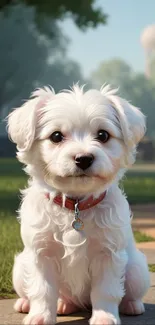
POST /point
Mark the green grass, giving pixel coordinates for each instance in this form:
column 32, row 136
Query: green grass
column 10, row 244
column 11, row 179
column 139, row 187
column 141, row 238
column 152, row 267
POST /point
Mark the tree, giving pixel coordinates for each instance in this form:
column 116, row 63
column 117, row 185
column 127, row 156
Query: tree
column 114, row 71
column 152, row 70
column 83, row 12
column 134, row 87
column 143, row 96
column 29, row 59
column 23, row 54
column 33, row 45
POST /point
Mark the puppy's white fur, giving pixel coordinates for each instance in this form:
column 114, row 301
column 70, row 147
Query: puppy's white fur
column 100, row 264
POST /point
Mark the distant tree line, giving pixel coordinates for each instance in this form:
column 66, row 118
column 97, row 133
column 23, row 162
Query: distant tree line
column 34, row 48
column 133, row 86
column 34, row 52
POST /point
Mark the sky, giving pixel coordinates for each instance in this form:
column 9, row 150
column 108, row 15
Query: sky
column 119, row 38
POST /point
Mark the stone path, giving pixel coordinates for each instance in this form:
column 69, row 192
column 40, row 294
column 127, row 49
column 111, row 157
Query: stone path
column 144, row 220
column 9, row 317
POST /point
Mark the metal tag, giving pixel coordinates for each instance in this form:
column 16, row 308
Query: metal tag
column 77, row 223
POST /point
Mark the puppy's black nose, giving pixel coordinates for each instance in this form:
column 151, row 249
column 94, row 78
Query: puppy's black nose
column 85, row 161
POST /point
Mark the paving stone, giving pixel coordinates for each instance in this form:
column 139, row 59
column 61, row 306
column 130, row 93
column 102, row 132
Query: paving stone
column 9, row 317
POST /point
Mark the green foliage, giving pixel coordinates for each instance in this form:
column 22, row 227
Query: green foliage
column 152, row 267
column 134, row 87
column 33, row 46
column 143, row 95
column 30, row 59
column 114, row 71
column 83, row 12
column 152, row 68
column 139, row 188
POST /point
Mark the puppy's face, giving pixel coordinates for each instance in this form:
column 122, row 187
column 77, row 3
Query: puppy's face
column 77, row 142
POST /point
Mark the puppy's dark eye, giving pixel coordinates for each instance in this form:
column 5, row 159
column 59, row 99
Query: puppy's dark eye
column 56, row 137
column 103, row 136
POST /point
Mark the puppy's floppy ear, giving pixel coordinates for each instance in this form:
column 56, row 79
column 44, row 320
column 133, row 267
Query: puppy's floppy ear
column 22, row 120
column 132, row 120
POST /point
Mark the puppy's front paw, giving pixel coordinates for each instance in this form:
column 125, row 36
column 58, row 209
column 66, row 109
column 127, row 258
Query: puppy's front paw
column 132, row 307
column 22, row 305
column 100, row 317
column 39, row 319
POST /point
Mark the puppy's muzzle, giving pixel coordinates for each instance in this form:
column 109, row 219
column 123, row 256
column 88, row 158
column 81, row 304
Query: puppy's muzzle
column 84, row 161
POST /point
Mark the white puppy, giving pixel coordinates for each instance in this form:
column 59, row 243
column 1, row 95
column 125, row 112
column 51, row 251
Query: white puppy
column 75, row 221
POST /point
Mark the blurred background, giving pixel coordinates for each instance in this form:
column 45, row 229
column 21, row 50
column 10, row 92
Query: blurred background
column 58, row 42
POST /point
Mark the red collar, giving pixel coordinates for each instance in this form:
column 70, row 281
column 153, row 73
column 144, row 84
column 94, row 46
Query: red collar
column 82, row 205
